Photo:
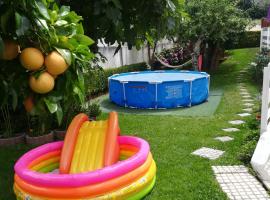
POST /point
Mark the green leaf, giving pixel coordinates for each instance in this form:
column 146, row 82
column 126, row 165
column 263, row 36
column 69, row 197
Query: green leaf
column 42, row 10
column 171, row 5
column 117, row 4
column 42, row 23
column 22, row 24
column 150, row 39
column 14, row 99
column 80, row 29
column 5, row 20
column 2, row 46
column 83, row 39
column 80, row 94
column 59, row 114
column 52, row 106
column 66, row 55
column 64, row 10
column 61, row 22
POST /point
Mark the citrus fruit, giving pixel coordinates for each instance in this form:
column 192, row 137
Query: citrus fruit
column 42, row 84
column 28, row 103
column 32, row 58
column 55, row 63
column 11, row 50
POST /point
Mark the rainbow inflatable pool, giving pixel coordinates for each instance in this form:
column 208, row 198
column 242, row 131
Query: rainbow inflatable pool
column 93, row 162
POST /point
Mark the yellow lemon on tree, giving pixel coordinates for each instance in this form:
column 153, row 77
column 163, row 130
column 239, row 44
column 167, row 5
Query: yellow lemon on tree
column 42, row 84
column 11, row 50
column 55, row 63
column 32, row 58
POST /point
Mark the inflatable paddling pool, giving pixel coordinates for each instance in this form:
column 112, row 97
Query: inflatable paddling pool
column 93, row 162
column 159, row 89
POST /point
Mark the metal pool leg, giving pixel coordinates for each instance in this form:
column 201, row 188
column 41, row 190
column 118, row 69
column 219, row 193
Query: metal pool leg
column 124, row 94
column 190, row 94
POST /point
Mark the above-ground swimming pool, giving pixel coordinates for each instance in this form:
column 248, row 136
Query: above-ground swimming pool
column 159, row 89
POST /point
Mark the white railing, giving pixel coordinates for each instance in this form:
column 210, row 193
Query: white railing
column 261, row 158
column 265, row 38
column 126, row 56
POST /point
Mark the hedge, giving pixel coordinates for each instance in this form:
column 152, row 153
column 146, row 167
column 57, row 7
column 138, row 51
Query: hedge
column 248, row 39
column 97, row 80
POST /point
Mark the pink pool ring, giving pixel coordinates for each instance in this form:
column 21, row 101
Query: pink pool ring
column 81, row 179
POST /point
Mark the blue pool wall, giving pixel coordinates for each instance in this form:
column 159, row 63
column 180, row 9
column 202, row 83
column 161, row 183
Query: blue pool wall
column 159, row 95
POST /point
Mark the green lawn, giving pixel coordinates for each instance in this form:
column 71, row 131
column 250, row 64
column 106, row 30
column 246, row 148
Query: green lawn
column 172, row 138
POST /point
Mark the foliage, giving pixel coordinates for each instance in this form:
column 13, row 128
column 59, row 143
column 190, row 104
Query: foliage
column 247, row 39
column 97, row 80
column 129, row 21
column 257, row 12
column 93, row 110
column 256, row 68
column 47, row 27
column 250, row 140
column 177, row 55
column 213, row 22
column 249, row 145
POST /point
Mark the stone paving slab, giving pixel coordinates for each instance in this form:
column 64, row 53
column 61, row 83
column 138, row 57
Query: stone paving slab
column 243, row 90
column 244, row 93
column 247, row 100
column 246, row 96
column 229, row 169
column 248, row 104
column 244, row 114
column 224, row 138
column 209, row 153
column 237, row 122
column 247, row 109
column 238, row 184
column 231, row 129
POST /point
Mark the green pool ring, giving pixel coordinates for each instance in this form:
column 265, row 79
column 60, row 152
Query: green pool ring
column 143, row 192
column 49, row 168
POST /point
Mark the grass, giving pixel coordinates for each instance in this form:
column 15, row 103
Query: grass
column 172, row 138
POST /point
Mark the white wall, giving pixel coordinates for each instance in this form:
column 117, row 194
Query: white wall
column 127, row 57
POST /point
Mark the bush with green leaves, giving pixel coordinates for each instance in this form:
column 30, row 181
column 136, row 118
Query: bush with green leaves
column 256, row 68
column 250, row 141
column 247, row 39
column 97, row 79
column 45, row 25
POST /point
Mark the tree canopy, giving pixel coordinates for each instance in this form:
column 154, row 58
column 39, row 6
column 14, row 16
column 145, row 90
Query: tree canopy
column 127, row 20
column 213, row 22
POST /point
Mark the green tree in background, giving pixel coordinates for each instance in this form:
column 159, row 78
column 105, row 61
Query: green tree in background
column 129, row 21
column 212, row 23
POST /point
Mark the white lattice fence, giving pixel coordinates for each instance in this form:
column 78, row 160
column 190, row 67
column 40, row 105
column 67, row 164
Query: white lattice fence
column 265, row 38
column 261, row 158
column 126, row 56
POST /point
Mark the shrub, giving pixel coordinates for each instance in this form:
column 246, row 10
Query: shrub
column 256, row 68
column 175, row 56
column 97, row 80
column 93, row 110
column 257, row 11
column 247, row 39
column 250, row 141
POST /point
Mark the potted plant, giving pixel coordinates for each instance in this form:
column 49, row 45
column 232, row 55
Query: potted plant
column 8, row 136
column 93, row 111
column 39, row 130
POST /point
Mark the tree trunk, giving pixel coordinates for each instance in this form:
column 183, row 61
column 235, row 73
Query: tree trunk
column 215, row 58
column 196, row 53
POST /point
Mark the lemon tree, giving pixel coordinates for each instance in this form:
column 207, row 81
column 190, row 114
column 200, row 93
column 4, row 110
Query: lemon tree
column 44, row 54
